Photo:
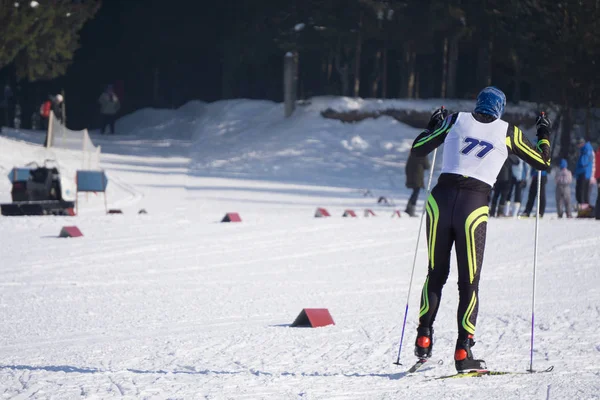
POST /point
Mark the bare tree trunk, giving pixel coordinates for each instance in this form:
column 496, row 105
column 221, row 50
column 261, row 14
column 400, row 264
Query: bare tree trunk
column 384, row 79
column 343, row 70
column 155, row 88
column 230, row 61
column 417, row 86
column 357, row 56
column 567, row 126
column 484, row 65
column 330, row 66
column 444, row 69
column 588, row 113
column 288, row 84
column 376, row 75
column 297, row 81
column 517, row 80
column 410, row 74
column 453, row 66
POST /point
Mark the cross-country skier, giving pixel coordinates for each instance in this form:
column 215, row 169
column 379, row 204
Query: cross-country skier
column 475, row 147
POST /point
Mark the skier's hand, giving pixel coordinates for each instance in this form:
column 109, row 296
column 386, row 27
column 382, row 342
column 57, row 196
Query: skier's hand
column 592, row 181
column 542, row 123
column 437, row 117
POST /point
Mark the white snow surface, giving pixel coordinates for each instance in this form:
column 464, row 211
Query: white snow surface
column 173, row 304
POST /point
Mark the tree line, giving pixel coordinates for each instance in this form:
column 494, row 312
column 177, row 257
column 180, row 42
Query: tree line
column 536, row 50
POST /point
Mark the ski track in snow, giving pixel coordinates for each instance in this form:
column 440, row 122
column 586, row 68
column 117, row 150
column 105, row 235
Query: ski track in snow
column 175, row 305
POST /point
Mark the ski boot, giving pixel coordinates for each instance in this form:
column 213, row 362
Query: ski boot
column 463, row 357
column 424, row 343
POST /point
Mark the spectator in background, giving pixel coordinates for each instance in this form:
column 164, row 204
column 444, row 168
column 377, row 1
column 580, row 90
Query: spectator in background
column 518, row 182
column 563, row 179
column 502, row 188
column 597, row 177
column 533, row 193
column 109, row 107
column 54, row 104
column 583, row 173
column 415, row 174
column 57, row 107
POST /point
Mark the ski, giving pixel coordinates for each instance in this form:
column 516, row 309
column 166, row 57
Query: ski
column 419, row 364
column 483, row 372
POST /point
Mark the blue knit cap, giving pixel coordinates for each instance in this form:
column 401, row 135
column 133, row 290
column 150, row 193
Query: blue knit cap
column 491, row 101
column 563, row 163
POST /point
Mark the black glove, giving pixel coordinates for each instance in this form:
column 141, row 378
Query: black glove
column 437, row 117
column 542, row 123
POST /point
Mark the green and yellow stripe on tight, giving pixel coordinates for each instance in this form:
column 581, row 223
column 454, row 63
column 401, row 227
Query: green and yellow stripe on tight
column 434, row 134
column 518, row 140
column 466, row 323
column 425, row 299
column 474, row 219
column 433, row 212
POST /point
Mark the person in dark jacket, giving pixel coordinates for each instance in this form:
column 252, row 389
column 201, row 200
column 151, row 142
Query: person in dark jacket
column 109, row 107
column 533, row 193
column 415, row 173
column 502, row 187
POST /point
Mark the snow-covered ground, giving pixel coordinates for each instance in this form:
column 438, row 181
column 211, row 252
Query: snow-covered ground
column 175, row 305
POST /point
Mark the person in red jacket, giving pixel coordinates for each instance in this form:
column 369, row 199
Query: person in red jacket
column 596, row 176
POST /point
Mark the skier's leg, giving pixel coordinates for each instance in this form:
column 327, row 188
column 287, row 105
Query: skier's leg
column 439, row 244
column 470, row 224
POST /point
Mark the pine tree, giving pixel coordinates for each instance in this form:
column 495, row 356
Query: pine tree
column 40, row 39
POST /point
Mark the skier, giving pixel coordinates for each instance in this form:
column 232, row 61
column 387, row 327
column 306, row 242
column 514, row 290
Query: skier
column 476, row 146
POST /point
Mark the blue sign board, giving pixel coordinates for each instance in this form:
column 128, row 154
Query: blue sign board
column 91, row 181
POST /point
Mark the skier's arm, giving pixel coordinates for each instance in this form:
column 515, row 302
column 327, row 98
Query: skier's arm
column 433, row 136
column 538, row 156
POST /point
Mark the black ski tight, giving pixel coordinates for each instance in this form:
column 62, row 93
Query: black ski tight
column 455, row 217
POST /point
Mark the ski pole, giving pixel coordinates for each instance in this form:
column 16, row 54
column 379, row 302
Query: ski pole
column 415, row 257
column 535, row 251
